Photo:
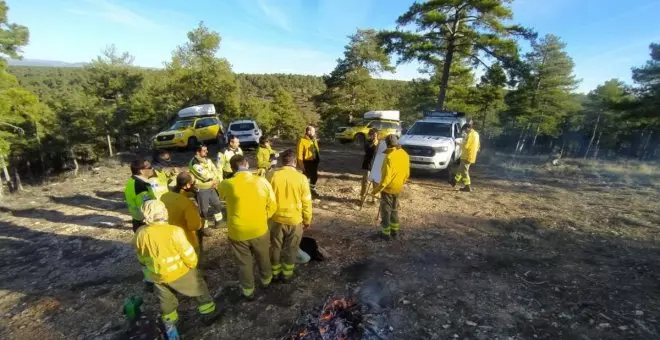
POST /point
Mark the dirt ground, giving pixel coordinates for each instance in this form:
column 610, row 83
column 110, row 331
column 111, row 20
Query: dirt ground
column 535, row 252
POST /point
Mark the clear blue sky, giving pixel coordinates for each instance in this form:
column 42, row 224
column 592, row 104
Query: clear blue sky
column 605, row 37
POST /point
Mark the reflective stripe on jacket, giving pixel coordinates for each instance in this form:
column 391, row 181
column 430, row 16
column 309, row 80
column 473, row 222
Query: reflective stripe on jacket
column 395, row 171
column 294, row 200
column 250, row 203
column 182, row 212
column 308, row 150
column 470, row 147
column 225, row 156
column 204, row 172
column 136, row 192
column 165, row 252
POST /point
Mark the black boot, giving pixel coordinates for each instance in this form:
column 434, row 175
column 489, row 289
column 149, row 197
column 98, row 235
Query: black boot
column 466, row 188
column 452, row 181
column 209, row 319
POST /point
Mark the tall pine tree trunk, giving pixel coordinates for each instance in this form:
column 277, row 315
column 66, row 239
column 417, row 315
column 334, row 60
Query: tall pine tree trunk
column 446, row 69
column 18, row 185
column 593, row 136
column 5, row 171
column 597, row 148
column 646, row 145
column 109, row 145
column 536, row 135
column 521, row 139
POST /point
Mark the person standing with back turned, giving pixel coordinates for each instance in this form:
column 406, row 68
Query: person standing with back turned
column 171, row 263
column 294, row 212
column 308, row 157
column 469, row 152
column 182, row 211
column 250, row 203
column 394, row 175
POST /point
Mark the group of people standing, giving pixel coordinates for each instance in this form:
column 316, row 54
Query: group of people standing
column 266, row 213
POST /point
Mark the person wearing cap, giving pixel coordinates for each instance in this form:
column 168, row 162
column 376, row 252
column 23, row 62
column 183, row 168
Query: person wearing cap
column 309, row 157
column 395, row 172
column 370, row 148
column 250, row 203
column 469, row 151
column 265, row 156
column 207, row 177
column 139, row 189
column 171, row 263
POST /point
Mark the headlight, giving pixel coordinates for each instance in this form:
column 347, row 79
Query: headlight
column 178, row 135
column 442, row 149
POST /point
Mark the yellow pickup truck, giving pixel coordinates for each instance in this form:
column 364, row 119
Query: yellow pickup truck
column 358, row 134
column 386, row 121
column 194, row 124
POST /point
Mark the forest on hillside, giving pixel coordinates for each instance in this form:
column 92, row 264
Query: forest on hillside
column 522, row 102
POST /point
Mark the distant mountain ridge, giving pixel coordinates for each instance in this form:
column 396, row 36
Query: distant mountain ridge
column 44, row 63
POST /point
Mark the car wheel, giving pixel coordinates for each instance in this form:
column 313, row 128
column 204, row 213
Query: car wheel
column 359, row 140
column 192, row 143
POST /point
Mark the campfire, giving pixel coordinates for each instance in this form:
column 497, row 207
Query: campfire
column 339, row 319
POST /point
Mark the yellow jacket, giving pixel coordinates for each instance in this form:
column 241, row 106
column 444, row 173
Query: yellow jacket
column 308, row 150
column 263, row 157
column 470, row 147
column 395, row 171
column 225, row 156
column 250, row 203
column 165, row 252
column 183, row 213
column 204, row 172
column 294, row 200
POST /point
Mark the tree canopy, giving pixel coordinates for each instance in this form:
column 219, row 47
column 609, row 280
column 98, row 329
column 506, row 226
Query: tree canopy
column 462, row 29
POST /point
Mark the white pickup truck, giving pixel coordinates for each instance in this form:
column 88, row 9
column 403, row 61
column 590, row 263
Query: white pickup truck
column 434, row 142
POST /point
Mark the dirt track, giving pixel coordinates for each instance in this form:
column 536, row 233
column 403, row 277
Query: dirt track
column 545, row 256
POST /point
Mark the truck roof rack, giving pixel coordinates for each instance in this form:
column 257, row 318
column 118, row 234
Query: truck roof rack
column 443, row 114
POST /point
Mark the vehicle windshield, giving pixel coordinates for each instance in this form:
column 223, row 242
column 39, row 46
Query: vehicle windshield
column 182, row 124
column 430, row 129
column 241, row 127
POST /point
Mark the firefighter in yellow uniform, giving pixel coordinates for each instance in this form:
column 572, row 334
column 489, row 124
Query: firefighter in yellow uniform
column 469, row 152
column 138, row 189
column 162, row 177
column 308, row 157
column 294, row 212
column 394, row 175
column 207, row 177
column 181, row 211
column 265, row 156
column 250, row 203
column 171, row 263
column 233, row 148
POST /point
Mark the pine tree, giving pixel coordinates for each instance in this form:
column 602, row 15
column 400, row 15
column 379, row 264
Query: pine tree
column 350, row 90
column 544, row 97
column 451, row 29
column 287, row 119
column 197, row 76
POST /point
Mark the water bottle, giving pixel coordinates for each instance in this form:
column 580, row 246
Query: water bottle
column 171, row 331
